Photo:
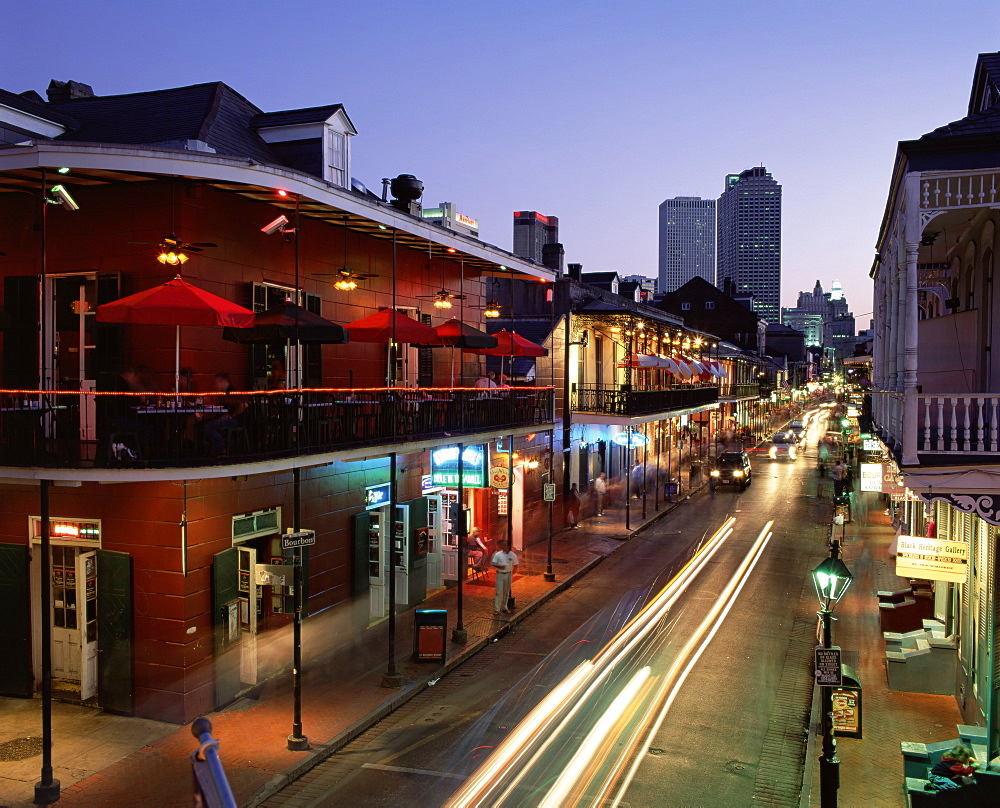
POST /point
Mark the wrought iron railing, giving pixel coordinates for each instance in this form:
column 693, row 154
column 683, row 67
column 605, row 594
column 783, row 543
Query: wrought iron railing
column 74, row 429
column 748, row 390
column 608, row 400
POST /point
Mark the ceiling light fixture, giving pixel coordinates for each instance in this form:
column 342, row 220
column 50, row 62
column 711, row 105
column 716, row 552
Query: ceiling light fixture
column 492, row 310
column 172, row 258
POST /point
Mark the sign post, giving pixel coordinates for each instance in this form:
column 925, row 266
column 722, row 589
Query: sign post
column 301, row 538
column 829, row 672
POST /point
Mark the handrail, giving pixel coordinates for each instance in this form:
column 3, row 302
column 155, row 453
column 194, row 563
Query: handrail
column 211, row 786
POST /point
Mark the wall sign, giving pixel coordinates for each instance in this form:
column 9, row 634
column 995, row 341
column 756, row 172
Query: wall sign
column 633, row 439
column 847, row 711
column 377, row 495
column 871, row 477
column 444, row 466
column 872, row 445
column 934, row 559
column 499, row 477
column 502, row 503
column 829, row 672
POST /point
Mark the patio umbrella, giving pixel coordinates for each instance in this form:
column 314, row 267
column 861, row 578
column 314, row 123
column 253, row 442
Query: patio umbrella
column 456, row 334
column 510, row 344
column 288, row 322
column 378, row 327
column 175, row 303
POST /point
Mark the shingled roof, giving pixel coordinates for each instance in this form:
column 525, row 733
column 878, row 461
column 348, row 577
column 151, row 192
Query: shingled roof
column 213, row 113
column 292, row 117
column 979, row 123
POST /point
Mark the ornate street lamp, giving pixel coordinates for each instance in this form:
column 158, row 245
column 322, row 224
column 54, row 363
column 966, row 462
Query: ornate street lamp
column 831, row 579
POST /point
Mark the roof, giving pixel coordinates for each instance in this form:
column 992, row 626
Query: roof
column 985, row 82
column 213, row 113
column 986, row 122
column 773, row 328
column 32, row 107
column 291, row 117
column 598, row 277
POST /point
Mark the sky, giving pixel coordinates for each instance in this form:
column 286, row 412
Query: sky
column 594, row 112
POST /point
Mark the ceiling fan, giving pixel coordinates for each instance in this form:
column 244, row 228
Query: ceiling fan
column 443, row 298
column 347, row 281
column 173, row 251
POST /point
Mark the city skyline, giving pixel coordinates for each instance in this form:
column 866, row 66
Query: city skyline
column 687, row 241
column 798, row 110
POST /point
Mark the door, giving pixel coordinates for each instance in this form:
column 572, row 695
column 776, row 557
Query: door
column 248, row 606
column 517, row 509
column 401, row 555
column 434, row 542
column 73, row 613
column 225, row 612
column 378, row 564
column 114, row 631
column 86, row 579
column 15, row 627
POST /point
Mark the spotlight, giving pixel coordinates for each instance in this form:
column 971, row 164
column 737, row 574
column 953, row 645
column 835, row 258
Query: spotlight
column 64, row 170
column 62, row 197
column 282, row 193
column 277, row 226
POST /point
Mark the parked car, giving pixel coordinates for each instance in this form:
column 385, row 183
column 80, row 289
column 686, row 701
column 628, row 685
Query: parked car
column 784, row 445
column 732, row 468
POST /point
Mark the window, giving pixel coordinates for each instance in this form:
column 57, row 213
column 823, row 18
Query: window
column 709, row 304
column 685, row 307
column 337, row 158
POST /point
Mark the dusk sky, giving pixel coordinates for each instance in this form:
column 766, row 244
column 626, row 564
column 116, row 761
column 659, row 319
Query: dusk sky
column 594, row 112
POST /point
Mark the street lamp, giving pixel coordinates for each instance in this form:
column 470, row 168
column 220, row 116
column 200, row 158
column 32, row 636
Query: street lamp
column 831, row 579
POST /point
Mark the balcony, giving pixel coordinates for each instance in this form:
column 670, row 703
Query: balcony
column 736, row 392
column 73, row 430
column 944, row 424
column 626, row 403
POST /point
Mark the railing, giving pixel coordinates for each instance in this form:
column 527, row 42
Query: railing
column 625, row 402
column 751, row 390
column 958, row 424
column 964, row 190
column 74, row 429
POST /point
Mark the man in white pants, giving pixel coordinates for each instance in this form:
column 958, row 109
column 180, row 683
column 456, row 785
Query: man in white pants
column 505, row 563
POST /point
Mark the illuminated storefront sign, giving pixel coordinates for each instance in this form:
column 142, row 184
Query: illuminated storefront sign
column 75, row 531
column 933, row 559
column 633, row 439
column 871, row 477
column 467, row 221
column 444, row 466
column 377, row 495
column 872, row 445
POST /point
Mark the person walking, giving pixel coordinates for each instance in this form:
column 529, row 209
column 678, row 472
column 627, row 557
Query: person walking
column 573, row 507
column 601, row 491
column 839, row 473
column 505, row 562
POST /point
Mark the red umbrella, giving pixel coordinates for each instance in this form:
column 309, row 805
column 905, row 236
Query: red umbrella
column 510, row 344
column 457, row 334
column 175, row 303
column 378, row 327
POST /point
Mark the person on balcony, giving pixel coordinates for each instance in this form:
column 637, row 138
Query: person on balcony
column 487, row 382
column 216, row 426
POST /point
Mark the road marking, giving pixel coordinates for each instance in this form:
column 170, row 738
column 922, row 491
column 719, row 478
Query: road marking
column 407, row 770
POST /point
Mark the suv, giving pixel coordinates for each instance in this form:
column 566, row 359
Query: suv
column 732, row 468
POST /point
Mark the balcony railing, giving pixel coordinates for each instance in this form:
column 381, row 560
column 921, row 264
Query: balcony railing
column 73, row 429
column 750, row 390
column 958, row 424
column 622, row 401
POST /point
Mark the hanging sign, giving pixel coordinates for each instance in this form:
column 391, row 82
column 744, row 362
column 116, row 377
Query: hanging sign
column 871, row 477
column 872, row 445
column 633, row 439
column 502, row 503
column 890, row 482
column 444, row 466
column 377, row 495
column 499, row 477
column 933, row 559
column 549, row 492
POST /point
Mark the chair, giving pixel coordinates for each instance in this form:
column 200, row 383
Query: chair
column 236, row 437
column 124, row 446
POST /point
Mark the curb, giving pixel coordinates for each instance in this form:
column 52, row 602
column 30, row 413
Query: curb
column 411, row 690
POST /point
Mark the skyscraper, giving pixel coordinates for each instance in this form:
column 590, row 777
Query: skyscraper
column 532, row 232
column 687, row 241
column 749, row 242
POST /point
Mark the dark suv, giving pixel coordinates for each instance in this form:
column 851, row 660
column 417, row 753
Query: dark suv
column 732, row 468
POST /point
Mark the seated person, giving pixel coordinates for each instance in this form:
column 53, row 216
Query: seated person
column 954, row 770
column 475, row 549
column 235, row 407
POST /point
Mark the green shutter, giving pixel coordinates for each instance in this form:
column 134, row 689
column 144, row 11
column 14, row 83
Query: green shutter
column 114, row 631
column 359, row 555
column 15, row 626
column 225, row 580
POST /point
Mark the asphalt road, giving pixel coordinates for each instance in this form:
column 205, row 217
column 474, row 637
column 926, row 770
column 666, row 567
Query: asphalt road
column 735, row 735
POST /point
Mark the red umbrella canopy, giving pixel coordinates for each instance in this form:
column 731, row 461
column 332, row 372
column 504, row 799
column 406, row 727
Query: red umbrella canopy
column 455, row 332
column 510, row 344
column 176, row 302
column 378, row 327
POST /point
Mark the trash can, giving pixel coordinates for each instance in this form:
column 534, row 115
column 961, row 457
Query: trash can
column 430, row 635
column 695, row 471
column 670, row 488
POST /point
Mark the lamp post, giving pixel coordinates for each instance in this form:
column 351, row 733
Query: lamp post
column 831, row 579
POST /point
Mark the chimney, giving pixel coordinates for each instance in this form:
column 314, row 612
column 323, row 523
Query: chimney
column 60, row 91
column 574, row 271
column 552, row 257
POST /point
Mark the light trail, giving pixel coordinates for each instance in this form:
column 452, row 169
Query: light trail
column 690, row 655
column 572, row 693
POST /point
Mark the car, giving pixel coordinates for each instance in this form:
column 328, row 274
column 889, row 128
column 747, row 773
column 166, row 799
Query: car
column 784, row 445
column 798, row 427
column 732, row 468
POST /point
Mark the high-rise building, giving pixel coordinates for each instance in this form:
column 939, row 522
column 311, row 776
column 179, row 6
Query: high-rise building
column 749, row 240
column 687, row 241
column 532, row 231
column 824, row 317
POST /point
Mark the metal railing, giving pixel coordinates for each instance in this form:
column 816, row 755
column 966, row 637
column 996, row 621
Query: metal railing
column 608, row 400
column 80, row 429
column 739, row 390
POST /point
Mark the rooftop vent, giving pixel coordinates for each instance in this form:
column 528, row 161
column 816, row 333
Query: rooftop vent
column 60, row 91
column 406, row 192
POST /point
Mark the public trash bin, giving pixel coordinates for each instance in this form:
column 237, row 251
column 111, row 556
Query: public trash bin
column 695, row 471
column 430, row 635
column 670, row 488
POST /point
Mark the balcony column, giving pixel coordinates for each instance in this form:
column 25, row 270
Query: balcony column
column 910, row 333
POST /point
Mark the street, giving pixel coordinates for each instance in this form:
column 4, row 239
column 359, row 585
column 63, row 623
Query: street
column 735, row 733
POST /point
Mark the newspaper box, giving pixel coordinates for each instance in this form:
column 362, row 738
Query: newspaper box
column 430, row 635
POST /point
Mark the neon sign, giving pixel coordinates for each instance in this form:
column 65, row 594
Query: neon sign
column 444, row 466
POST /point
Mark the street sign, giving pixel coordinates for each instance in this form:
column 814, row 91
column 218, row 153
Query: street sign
column 304, row 538
column 549, row 492
column 828, row 670
column 932, row 559
column 499, row 476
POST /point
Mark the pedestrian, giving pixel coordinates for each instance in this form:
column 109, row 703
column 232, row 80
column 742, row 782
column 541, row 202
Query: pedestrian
column 838, row 472
column 475, row 550
column 601, row 491
column 505, row 563
column 954, row 770
column 573, row 507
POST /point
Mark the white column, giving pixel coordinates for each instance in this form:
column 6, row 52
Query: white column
column 912, row 234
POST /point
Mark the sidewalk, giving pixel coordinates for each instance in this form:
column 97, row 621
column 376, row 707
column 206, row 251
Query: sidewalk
column 104, row 760
column 871, row 768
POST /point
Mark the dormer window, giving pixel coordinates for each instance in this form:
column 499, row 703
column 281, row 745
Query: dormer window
column 336, row 152
column 685, row 307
